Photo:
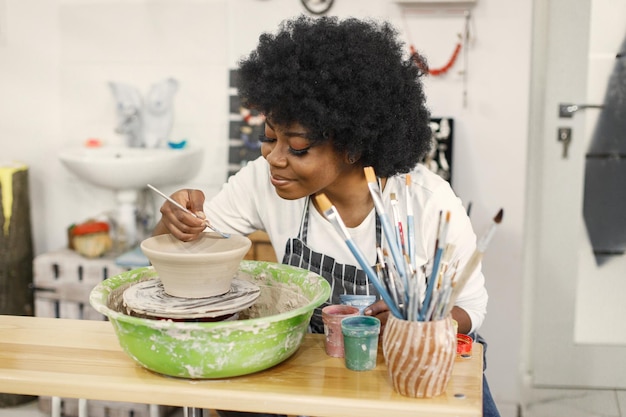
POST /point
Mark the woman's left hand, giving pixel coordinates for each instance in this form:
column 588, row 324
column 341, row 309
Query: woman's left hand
column 379, row 310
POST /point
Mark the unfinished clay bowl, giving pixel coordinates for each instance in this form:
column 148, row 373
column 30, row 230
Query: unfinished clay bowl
column 201, row 268
column 265, row 334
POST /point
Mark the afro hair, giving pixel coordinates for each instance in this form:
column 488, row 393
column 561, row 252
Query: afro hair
column 346, row 81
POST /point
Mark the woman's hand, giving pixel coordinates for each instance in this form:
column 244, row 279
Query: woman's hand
column 379, row 310
column 182, row 225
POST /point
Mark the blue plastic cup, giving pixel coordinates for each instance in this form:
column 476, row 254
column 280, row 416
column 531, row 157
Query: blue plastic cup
column 359, row 301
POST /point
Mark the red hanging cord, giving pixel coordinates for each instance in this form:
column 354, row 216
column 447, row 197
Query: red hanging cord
column 436, row 71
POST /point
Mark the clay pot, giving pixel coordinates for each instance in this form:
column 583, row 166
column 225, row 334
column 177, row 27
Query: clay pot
column 419, row 355
column 200, row 268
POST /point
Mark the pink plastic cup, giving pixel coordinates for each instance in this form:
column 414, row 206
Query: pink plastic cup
column 332, row 316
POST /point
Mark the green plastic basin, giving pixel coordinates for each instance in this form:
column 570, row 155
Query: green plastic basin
column 265, row 334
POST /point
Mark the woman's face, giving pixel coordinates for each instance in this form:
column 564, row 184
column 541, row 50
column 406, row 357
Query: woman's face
column 298, row 169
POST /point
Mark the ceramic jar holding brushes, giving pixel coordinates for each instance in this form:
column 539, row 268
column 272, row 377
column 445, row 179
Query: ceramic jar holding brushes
column 419, row 355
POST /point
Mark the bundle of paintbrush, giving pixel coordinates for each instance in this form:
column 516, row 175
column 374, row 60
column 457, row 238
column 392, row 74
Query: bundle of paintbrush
column 402, row 284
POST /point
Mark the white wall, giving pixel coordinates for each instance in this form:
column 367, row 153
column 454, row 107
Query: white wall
column 56, row 57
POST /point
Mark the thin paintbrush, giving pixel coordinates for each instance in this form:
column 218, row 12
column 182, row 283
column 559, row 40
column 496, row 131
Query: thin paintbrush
column 186, row 210
column 396, row 282
column 447, row 290
column 440, row 282
column 416, row 292
column 390, row 283
column 414, row 277
column 413, row 299
column 396, row 220
column 473, row 262
column 370, row 176
column 434, row 273
column 330, row 212
column 410, row 222
column 402, row 245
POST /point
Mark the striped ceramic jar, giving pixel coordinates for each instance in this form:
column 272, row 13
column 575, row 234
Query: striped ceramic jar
column 419, row 355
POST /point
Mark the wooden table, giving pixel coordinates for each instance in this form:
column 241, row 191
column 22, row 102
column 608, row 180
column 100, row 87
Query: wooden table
column 82, row 359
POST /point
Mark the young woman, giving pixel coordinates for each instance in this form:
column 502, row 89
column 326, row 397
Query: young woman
column 338, row 96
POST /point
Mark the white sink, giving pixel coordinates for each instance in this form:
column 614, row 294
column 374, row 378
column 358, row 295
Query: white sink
column 119, row 168
column 128, row 170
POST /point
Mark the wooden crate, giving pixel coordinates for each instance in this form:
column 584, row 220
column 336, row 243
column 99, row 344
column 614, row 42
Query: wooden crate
column 62, row 282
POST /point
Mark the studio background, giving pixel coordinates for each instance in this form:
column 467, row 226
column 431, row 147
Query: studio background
column 57, row 56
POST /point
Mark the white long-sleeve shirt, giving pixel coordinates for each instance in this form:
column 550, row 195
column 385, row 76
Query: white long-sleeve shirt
column 248, row 202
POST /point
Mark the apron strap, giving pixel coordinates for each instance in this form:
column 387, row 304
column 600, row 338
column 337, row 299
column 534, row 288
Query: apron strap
column 304, row 221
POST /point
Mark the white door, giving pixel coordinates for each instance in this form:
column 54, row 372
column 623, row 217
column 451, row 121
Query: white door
column 578, row 335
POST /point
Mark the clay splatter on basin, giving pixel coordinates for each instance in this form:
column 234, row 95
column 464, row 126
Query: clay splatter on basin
column 265, row 334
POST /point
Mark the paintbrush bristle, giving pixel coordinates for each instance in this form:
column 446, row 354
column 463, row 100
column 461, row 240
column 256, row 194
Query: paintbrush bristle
column 370, row 175
column 323, row 202
column 499, row 216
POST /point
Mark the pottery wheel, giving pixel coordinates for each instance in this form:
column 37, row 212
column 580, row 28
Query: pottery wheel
column 149, row 297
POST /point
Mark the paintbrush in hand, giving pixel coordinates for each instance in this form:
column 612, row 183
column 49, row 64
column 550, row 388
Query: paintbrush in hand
column 186, row 210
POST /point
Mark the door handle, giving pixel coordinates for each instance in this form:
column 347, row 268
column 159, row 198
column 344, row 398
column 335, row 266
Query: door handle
column 568, row 110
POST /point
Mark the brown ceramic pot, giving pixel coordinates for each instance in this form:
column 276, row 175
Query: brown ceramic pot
column 419, row 355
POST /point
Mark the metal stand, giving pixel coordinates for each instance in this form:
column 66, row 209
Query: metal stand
column 193, row 412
